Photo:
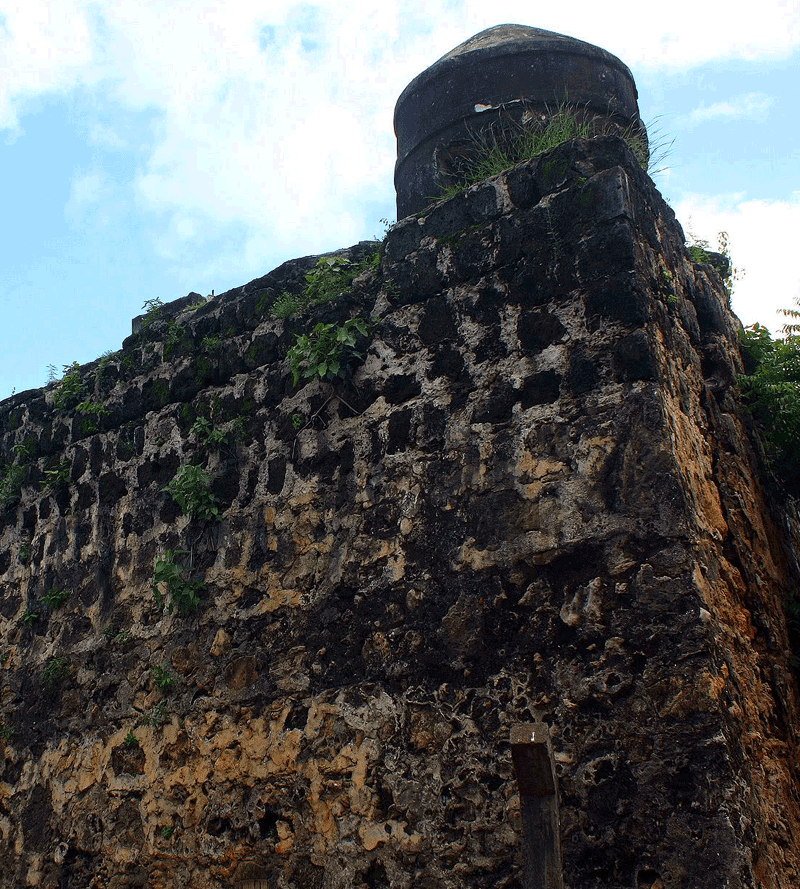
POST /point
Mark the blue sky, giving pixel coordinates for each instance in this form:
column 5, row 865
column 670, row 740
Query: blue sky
column 148, row 149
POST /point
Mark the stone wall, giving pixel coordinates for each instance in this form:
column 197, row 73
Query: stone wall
column 537, row 494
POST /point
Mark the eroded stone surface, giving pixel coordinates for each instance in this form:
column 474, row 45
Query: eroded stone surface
column 537, row 495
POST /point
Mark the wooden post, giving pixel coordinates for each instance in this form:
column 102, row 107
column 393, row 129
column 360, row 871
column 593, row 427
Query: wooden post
column 541, row 840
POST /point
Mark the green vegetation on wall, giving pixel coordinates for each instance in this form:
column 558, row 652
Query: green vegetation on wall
column 771, row 388
column 174, row 579
column 326, row 351
column 11, row 480
column 190, row 489
column 498, row 148
column 332, row 276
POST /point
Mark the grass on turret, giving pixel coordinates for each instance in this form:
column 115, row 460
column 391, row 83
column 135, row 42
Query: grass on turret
column 499, row 148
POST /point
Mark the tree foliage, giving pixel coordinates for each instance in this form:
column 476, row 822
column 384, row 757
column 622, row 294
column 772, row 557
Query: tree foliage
column 772, row 390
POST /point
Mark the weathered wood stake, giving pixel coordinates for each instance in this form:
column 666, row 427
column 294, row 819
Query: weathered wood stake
column 541, row 840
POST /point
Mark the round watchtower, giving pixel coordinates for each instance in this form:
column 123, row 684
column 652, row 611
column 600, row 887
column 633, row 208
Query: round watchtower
column 506, row 75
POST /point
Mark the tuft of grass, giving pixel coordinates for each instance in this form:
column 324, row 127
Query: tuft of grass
column 500, row 147
column 210, row 343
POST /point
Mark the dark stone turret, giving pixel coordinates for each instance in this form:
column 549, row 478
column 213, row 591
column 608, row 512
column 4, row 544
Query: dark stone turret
column 509, row 72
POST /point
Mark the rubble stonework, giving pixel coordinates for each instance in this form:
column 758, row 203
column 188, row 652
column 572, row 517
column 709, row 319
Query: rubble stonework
column 537, row 496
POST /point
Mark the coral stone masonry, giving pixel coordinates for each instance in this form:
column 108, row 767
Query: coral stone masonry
column 535, row 501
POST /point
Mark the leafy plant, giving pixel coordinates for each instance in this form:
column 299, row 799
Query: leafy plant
column 7, row 732
column 71, row 388
column 326, row 351
column 162, row 678
column 167, row 831
column 28, row 617
column 185, row 594
column 152, row 308
column 11, row 479
column 173, row 338
column 55, row 598
column 772, row 391
column 207, row 434
column 24, row 553
column 236, row 430
column 24, row 451
column 105, row 360
column 91, row 412
column 698, row 250
column 288, row 304
column 332, row 276
column 131, row 741
column 216, row 437
column 54, row 478
column 297, row 420
column 190, row 489
column 55, row 670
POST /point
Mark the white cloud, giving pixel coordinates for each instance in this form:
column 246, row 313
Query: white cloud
column 106, row 137
column 763, row 238
column 44, row 48
column 276, row 118
column 88, row 189
column 752, row 105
